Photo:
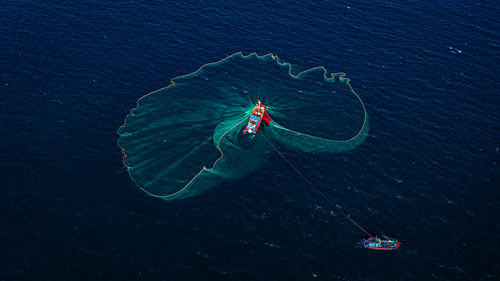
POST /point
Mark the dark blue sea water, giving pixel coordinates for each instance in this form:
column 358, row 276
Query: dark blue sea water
column 428, row 174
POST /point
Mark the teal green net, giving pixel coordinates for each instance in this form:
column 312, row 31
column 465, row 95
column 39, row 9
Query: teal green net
column 186, row 138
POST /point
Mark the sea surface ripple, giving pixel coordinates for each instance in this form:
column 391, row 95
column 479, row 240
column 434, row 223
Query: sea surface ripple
column 428, row 174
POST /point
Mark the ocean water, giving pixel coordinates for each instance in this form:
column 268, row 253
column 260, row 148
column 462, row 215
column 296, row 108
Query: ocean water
column 427, row 174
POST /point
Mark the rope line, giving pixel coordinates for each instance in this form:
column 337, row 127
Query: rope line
column 317, row 189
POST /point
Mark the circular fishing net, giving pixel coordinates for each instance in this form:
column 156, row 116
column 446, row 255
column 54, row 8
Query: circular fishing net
column 186, row 138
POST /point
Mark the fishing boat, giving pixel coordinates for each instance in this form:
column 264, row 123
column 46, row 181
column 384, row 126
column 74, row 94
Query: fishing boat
column 375, row 243
column 259, row 113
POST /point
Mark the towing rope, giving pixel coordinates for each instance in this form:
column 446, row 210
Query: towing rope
column 318, row 190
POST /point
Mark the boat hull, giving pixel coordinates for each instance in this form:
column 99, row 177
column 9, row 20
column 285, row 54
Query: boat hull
column 381, row 249
column 381, row 245
column 258, row 114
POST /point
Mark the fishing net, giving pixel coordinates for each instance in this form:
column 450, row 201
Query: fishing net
column 186, row 138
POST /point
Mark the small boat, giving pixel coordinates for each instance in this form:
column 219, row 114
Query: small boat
column 258, row 114
column 375, row 243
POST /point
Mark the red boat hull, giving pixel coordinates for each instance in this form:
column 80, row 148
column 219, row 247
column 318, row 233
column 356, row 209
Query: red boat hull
column 381, row 245
column 259, row 113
